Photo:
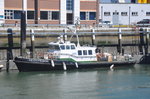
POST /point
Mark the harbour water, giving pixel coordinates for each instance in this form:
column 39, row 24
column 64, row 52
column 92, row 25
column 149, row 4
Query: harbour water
column 119, row 83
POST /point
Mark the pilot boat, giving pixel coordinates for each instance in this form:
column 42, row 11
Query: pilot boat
column 65, row 55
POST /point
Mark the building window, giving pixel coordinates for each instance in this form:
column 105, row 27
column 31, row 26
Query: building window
column 44, row 15
column 134, row 13
column 82, row 16
column 55, row 15
column 30, row 14
column 9, row 14
column 92, row 15
column 147, row 13
column 124, row 13
column 69, row 4
column 115, row 13
column 106, row 13
column 17, row 14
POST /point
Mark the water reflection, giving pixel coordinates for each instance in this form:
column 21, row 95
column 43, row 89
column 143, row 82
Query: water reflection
column 131, row 82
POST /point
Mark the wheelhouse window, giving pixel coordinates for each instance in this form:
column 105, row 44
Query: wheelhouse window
column 84, row 52
column 89, row 52
column 72, row 47
column 79, row 52
column 67, row 47
column 62, row 47
column 54, row 47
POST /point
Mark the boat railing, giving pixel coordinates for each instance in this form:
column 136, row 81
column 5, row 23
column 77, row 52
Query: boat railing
column 50, row 55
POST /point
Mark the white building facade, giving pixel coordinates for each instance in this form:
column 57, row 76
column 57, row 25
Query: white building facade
column 125, row 14
column 2, row 11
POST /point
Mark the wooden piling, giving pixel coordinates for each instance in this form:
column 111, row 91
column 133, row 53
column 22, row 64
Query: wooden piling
column 119, row 41
column 147, row 42
column 23, row 34
column 36, row 8
column 10, row 47
column 141, row 41
column 7, row 62
column 10, row 42
column 93, row 36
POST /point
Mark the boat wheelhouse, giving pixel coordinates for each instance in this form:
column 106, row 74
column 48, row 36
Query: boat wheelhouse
column 69, row 51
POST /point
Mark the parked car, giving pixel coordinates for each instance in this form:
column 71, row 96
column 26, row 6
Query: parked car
column 106, row 22
column 144, row 21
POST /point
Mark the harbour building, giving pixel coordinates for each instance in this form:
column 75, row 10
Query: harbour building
column 69, row 11
column 124, row 12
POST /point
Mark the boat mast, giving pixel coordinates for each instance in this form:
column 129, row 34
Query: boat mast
column 74, row 31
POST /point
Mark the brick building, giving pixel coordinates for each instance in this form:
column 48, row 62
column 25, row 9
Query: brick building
column 51, row 11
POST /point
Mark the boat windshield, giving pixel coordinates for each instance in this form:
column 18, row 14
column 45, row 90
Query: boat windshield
column 62, row 47
column 54, row 47
column 72, row 47
column 67, row 47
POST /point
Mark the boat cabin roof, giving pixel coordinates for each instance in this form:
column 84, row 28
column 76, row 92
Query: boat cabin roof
column 62, row 46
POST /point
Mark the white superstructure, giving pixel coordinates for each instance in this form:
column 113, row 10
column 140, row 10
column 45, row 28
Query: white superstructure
column 67, row 50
